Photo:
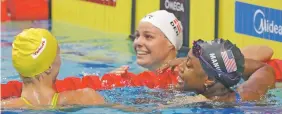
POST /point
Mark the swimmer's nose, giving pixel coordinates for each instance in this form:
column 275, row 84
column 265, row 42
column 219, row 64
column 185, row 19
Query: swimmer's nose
column 138, row 41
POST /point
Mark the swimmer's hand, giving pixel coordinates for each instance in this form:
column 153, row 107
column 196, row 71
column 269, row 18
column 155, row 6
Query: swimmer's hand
column 172, row 64
column 121, row 70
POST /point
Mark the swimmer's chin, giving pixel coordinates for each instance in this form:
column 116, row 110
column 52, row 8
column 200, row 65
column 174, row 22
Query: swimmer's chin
column 183, row 87
column 144, row 64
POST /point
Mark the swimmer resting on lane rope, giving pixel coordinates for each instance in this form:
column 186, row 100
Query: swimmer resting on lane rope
column 36, row 57
column 157, row 42
column 212, row 68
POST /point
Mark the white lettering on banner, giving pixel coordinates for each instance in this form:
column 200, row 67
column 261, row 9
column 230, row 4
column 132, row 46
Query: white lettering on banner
column 266, row 25
column 173, row 5
column 214, row 62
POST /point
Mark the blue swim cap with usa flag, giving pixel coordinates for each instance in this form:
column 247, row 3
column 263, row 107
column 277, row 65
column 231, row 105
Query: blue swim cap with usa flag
column 221, row 60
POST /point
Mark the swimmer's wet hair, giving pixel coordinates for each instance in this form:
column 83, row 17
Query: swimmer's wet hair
column 29, row 80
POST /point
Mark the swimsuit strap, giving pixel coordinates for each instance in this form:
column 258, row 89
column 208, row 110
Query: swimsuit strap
column 53, row 103
column 26, row 102
column 54, row 100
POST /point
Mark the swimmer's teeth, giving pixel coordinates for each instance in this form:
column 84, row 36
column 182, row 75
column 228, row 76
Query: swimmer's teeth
column 141, row 52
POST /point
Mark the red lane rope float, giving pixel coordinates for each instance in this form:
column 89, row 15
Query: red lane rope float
column 109, row 81
column 91, row 81
column 11, row 89
column 277, row 66
column 4, row 11
column 28, row 9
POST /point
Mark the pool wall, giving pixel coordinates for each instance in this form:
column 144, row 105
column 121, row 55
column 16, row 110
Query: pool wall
column 244, row 22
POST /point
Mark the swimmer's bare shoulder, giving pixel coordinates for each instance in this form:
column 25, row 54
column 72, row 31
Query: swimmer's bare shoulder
column 86, row 96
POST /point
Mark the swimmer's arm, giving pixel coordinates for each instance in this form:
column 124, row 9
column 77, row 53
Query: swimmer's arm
column 259, row 53
column 259, row 78
column 258, row 71
column 84, row 96
column 89, row 97
column 7, row 104
column 12, row 103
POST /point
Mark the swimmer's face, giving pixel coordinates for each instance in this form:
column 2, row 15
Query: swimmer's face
column 192, row 74
column 151, row 46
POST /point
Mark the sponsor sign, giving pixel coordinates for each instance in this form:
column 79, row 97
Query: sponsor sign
column 258, row 21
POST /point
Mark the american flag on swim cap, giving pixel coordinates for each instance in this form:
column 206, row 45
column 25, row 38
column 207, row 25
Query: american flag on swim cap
column 229, row 61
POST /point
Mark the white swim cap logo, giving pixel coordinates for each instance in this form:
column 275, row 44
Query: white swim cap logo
column 266, row 25
column 173, row 5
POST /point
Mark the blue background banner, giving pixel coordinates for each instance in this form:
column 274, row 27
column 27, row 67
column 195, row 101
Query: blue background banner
column 258, row 21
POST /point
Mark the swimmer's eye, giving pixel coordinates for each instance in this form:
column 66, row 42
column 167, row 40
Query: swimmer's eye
column 149, row 36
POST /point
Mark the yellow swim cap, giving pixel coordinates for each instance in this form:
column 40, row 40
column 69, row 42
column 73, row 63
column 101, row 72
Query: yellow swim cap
column 34, row 50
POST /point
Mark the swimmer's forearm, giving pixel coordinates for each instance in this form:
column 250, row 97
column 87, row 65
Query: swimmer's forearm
column 251, row 66
column 258, row 84
column 254, row 88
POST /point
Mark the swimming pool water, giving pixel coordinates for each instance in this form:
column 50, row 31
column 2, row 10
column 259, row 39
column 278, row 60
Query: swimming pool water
column 85, row 51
